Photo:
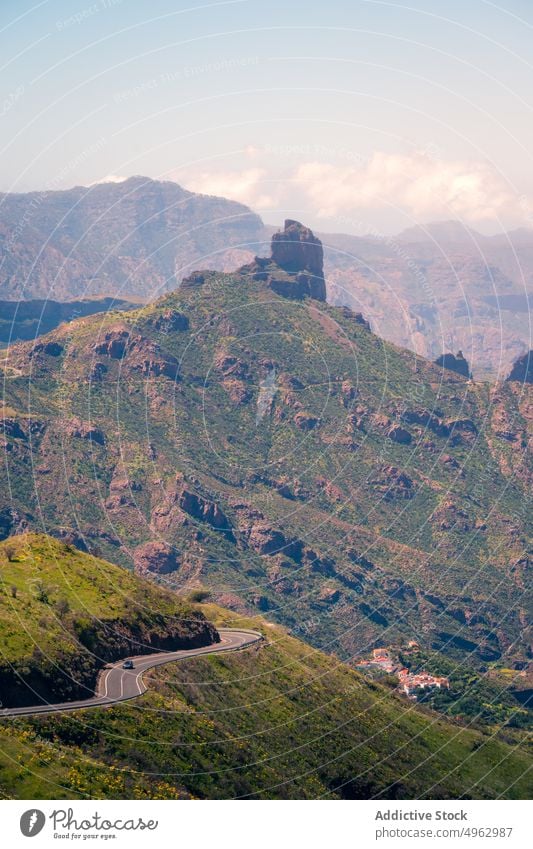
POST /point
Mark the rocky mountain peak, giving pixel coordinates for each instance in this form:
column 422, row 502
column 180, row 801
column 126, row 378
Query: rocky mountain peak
column 295, row 268
column 295, row 248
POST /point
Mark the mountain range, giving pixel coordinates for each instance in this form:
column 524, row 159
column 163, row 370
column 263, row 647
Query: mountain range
column 435, row 289
column 244, row 435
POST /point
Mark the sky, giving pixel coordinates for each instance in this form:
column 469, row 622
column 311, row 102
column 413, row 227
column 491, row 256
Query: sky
column 355, row 116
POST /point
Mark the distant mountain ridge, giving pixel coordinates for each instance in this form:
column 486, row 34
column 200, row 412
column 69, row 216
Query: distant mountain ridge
column 135, row 238
column 435, row 289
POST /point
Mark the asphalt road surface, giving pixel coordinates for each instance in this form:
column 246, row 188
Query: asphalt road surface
column 116, row 684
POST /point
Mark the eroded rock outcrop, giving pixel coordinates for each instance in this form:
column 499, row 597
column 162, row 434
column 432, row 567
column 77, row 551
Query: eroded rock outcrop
column 305, row 421
column 156, row 558
column 84, row 430
column 234, row 373
column 262, row 536
column 356, row 317
column 450, row 516
column 297, row 249
column 392, row 483
column 170, row 321
column 295, row 268
column 454, row 362
column 142, row 354
column 522, row 369
column 50, row 349
column 425, row 419
column 114, row 343
column 205, row 510
column 400, row 435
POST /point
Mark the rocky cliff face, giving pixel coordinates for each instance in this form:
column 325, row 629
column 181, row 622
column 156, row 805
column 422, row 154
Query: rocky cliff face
column 439, row 286
column 522, row 369
column 295, row 248
column 295, row 268
column 454, row 362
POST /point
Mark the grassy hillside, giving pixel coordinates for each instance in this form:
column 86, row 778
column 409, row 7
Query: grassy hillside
column 63, row 614
column 278, row 452
column 277, row 721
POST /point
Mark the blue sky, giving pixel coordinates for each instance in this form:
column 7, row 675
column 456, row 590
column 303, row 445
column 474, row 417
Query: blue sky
column 353, row 115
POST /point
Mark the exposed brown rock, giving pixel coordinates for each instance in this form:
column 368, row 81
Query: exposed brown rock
column 120, row 491
column 171, row 320
column 50, row 349
column 156, row 557
column 260, row 534
column 357, row 317
column 448, row 460
column 393, row 483
column 349, row 393
column 234, row 372
column 461, row 430
column 204, row 510
column 355, row 421
column 400, row 435
column 449, row 516
column 114, row 343
column 380, row 421
column 231, row 366
column 328, row 595
column 13, row 522
column 305, row 421
column 426, row 419
column 83, row 430
column 331, row 490
column 197, row 278
column 295, row 268
column 300, row 286
column 237, row 391
column 297, row 249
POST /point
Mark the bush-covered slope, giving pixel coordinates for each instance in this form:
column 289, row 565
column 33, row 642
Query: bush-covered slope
column 63, row 614
column 276, row 721
column 240, row 435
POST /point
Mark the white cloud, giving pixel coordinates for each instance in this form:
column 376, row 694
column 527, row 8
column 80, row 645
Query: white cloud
column 417, row 183
column 111, row 178
column 420, row 185
column 247, row 186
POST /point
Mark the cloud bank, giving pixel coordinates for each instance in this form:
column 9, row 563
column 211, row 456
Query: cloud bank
column 417, row 184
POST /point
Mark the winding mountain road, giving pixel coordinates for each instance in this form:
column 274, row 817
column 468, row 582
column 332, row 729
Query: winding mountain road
column 116, row 684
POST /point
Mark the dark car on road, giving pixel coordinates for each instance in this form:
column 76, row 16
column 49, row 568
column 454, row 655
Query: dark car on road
column 128, row 664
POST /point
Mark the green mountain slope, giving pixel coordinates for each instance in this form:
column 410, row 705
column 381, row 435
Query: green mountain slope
column 245, row 436
column 279, row 721
column 63, row 614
